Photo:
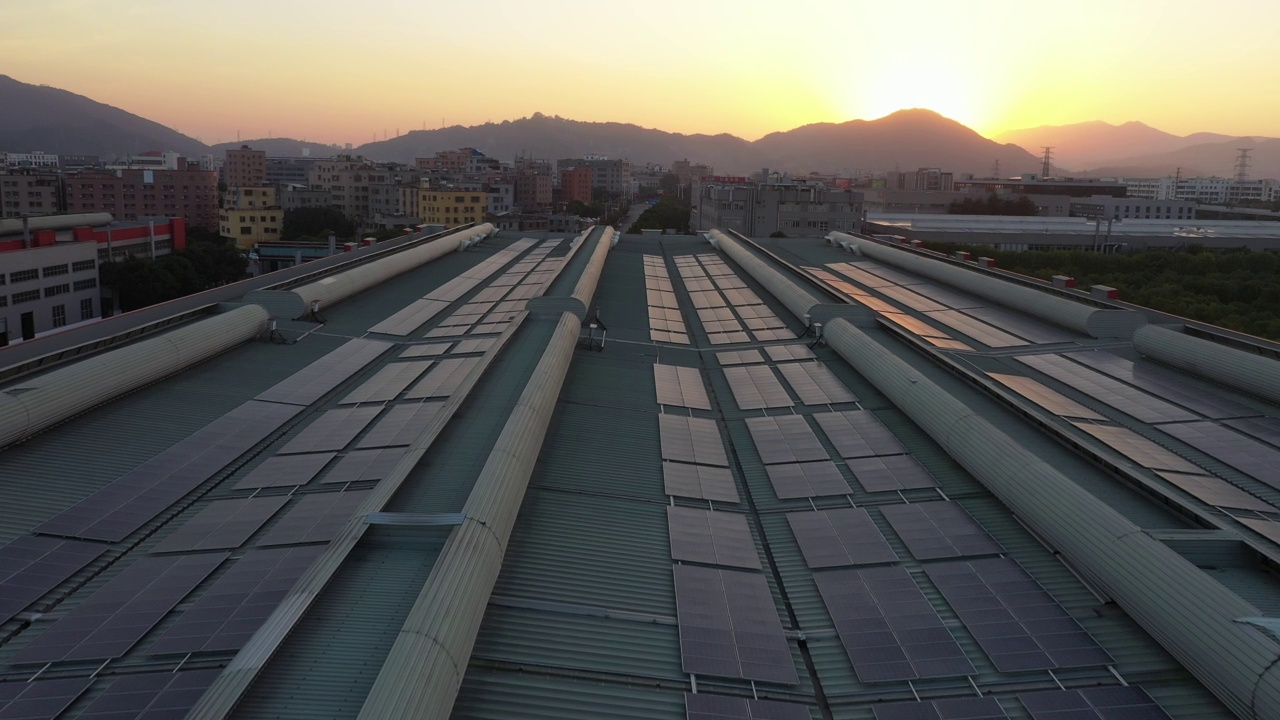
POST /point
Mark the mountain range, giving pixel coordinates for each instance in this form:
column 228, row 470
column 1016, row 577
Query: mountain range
column 35, row 117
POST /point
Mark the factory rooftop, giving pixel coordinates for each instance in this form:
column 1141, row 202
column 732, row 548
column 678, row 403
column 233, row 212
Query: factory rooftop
column 479, row 475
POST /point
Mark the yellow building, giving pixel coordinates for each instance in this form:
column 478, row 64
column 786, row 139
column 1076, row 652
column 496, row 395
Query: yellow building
column 250, row 215
column 451, row 207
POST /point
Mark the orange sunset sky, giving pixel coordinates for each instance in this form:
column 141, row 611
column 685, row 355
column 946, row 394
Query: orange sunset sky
column 347, row 71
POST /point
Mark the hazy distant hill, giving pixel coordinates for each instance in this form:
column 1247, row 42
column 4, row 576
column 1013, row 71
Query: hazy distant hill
column 280, row 147
column 1096, row 143
column 36, row 117
column 553, row 138
column 909, row 139
column 1207, row 159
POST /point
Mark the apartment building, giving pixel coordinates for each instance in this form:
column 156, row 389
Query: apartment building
column 576, row 183
column 245, row 167
column 251, row 215
column 452, row 207
column 1204, row 190
column 758, row 210
column 347, row 180
column 29, row 192
column 132, row 194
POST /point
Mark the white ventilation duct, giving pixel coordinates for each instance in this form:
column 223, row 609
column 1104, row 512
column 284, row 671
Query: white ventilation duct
column 798, row 300
column 1082, row 318
column 1239, row 369
column 296, row 302
column 34, row 404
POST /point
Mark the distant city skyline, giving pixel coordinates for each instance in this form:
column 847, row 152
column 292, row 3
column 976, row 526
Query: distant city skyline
column 337, row 72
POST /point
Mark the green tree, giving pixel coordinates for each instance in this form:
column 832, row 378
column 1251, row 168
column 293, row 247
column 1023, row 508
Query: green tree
column 315, row 222
column 669, row 184
column 667, row 214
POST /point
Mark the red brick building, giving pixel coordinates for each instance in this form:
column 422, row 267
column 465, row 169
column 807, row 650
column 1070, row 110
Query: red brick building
column 134, row 194
column 245, row 167
column 576, row 182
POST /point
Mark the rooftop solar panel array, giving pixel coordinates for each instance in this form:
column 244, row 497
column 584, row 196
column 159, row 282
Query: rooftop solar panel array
column 976, row 329
column 1045, row 397
column 1266, row 429
column 933, row 530
column 783, row 353
column 890, row 473
column 400, row 426
column 426, row 350
column 1216, row 492
column 888, row 627
column 666, row 324
column 285, row 471
column 443, row 379
column 333, row 430
column 809, row 479
column 1139, row 449
column 755, row 387
column 1017, row 624
column 150, row 696
column 1095, row 703
column 32, row 566
column 857, row 433
column 969, row 708
column 231, row 610
column 682, row 386
column 39, row 699
column 699, row 481
column 1109, row 391
column 387, row 383
column 1243, row 453
column 1166, row 384
column 691, row 440
column 114, row 618
column 701, row 706
column 322, row 376
column 223, row 524
column 730, row 312
column 785, row 439
column 815, row 384
column 729, row 626
column 739, row 357
column 1266, row 528
column 364, row 465
column 712, row 538
column 136, row 497
column 315, row 518
column 1018, row 324
column 839, row 537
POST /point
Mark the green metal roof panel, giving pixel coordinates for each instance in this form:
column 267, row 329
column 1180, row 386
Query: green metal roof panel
column 493, row 694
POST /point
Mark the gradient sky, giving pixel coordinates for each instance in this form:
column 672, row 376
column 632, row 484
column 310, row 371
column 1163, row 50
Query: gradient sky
column 346, row 71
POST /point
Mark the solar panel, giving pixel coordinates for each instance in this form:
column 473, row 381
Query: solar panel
column 755, row 387
column 1266, row 429
column 1018, row 624
column 682, row 386
column 364, row 465
column 948, row 297
column 1018, row 324
column 222, row 524
column 1265, row 528
column 708, row 315
column 320, row 377
column 136, row 497
column 769, row 335
column 727, row 338
column 739, row 357
column 701, row 706
column 975, row 329
column 1216, row 492
column 844, row 536
column 912, row 325
column 1095, row 703
column 315, row 518
column 285, row 470
column 811, row 479
column 857, row 433
column 859, row 275
column 815, row 384
column 771, row 323
column 443, row 379
column 411, row 317
column 894, row 276
column 968, row 708
column 934, row 530
column 114, row 618
column 691, row 440
column 333, row 430
column 890, row 473
column 877, row 304
column 1243, row 453
column 699, row 481
column 39, row 699
column 713, row 538
column 1164, row 384
column 913, row 300
column 1045, row 397
column 729, row 626
column 478, row 345
column 785, row 439
column 888, row 627
column 31, row 567
column 231, row 610
column 1138, row 449
column 1109, row 391
column 400, row 426
column 151, row 696
column 387, row 383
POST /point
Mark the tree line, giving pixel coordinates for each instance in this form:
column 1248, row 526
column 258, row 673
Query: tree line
column 205, row 263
